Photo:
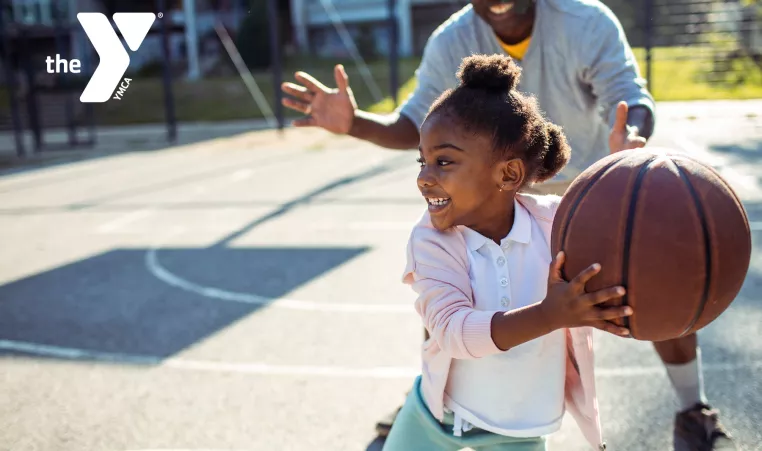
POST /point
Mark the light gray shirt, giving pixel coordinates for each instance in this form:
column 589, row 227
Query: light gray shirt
column 578, row 65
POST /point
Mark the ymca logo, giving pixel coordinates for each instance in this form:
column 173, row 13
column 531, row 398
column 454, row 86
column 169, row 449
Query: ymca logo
column 114, row 59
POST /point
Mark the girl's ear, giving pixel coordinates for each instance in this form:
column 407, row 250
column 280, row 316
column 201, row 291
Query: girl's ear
column 511, row 174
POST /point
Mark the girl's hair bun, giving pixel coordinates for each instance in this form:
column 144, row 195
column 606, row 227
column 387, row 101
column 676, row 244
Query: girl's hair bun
column 489, row 72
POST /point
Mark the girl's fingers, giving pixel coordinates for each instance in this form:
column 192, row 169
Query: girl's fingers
column 556, row 265
column 610, row 313
column 601, row 296
column 612, row 328
column 583, row 277
column 296, row 105
column 300, row 92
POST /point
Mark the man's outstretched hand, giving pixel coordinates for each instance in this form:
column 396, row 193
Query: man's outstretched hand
column 623, row 136
column 331, row 109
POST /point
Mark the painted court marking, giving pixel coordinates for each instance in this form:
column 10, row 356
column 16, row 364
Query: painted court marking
column 155, row 267
column 335, row 371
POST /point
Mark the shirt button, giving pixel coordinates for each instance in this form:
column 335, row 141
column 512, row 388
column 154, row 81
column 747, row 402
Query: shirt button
column 503, row 282
column 504, row 302
column 501, row 261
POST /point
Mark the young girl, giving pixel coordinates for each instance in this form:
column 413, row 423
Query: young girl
column 510, row 350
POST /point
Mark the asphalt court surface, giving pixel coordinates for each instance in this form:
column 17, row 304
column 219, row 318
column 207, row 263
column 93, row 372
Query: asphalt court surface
column 244, row 294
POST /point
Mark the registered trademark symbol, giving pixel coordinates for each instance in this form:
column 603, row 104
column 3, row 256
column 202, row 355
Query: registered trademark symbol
column 160, row 15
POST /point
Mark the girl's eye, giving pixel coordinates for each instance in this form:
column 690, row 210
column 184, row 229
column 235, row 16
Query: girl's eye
column 420, row 161
column 443, row 162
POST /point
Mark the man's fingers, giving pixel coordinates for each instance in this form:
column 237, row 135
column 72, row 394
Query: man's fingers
column 310, row 82
column 612, row 328
column 583, row 277
column 621, row 117
column 342, row 79
column 300, row 92
column 296, row 105
column 637, row 142
column 601, row 296
column 304, row 122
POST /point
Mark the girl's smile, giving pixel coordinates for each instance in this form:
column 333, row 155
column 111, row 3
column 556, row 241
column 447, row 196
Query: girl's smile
column 437, row 204
column 458, row 178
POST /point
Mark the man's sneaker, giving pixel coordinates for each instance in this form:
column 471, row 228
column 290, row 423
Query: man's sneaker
column 385, row 425
column 699, row 429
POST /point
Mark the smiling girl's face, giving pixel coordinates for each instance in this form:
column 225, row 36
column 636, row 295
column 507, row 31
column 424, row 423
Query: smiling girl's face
column 459, row 176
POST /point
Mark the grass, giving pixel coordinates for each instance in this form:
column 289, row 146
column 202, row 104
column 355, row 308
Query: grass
column 686, row 74
column 678, row 74
column 227, row 98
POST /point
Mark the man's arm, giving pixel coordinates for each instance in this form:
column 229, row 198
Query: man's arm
column 335, row 109
column 641, row 117
column 611, row 70
column 393, row 131
column 400, row 130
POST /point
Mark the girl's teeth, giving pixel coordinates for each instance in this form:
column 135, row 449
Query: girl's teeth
column 438, row 201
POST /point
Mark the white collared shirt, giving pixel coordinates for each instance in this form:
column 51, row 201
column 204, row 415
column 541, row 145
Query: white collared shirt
column 520, row 392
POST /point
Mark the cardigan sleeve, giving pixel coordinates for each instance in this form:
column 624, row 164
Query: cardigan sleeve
column 437, row 270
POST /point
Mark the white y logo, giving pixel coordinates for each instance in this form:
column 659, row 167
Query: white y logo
column 114, row 58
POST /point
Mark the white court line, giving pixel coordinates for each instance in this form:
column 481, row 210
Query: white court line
column 160, row 272
column 240, row 175
column 129, row 218
column 390, row 372
column 374, row 226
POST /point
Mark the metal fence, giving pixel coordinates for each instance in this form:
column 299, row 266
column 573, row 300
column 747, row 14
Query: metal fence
column 714, row 43
column 718, row 42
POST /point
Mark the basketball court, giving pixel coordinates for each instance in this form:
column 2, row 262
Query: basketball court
column 244, row 293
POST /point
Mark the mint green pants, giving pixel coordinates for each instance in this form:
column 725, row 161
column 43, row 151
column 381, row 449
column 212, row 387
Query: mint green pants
column 416, row 429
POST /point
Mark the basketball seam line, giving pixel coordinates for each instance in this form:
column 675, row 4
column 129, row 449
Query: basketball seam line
column 628, row 235
column 730, row 189
column 575, row 205
column 707, row 249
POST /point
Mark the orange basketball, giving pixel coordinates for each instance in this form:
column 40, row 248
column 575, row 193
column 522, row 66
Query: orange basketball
column 665, row 226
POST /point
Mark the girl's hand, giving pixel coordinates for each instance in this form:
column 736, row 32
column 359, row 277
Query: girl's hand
column 568, row 305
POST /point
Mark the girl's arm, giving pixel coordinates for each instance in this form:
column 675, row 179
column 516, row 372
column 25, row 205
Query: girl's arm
column 566, row 304
column 519, row 326
column 437, row 270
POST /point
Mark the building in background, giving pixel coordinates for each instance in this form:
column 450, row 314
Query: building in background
column 322, row 27
column 41, row 17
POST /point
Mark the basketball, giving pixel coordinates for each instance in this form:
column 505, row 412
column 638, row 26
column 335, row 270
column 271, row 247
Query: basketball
column 665, row 226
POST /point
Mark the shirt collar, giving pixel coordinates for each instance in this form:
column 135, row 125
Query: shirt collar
column 521, row 231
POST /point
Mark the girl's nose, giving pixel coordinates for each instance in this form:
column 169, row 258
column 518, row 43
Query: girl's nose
column 425, row 179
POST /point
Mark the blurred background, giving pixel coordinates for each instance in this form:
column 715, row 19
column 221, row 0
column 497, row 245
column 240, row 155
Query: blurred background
column 181, row 270
column 687, row 50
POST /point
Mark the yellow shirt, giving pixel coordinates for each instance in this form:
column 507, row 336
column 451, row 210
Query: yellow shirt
column 516, row 51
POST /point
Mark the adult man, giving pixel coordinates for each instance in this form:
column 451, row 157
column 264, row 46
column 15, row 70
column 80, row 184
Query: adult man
column 576, row 60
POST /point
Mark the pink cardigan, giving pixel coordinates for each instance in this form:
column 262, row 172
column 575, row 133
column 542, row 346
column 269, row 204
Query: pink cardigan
column 437, row 269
